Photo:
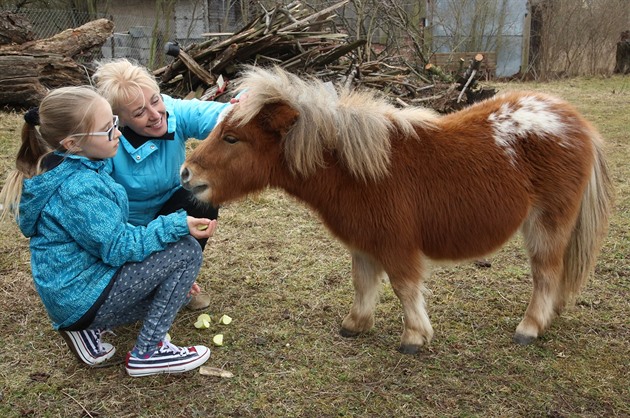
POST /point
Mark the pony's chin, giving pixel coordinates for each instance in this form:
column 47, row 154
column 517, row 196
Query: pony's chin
column 202, row 193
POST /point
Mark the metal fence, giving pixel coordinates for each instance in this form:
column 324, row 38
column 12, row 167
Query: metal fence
column 135, row 36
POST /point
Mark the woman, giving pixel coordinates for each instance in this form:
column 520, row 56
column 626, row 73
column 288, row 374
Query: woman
column 155, row 128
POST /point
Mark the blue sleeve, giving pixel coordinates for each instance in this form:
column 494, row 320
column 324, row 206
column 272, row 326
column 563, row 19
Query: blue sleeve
column 195, row 118
column 94, row 219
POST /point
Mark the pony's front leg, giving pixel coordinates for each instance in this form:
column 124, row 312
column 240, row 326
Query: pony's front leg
column 367, row 275
column 418, row 330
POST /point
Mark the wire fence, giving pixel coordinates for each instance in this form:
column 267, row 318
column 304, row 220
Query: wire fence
column 139, row 37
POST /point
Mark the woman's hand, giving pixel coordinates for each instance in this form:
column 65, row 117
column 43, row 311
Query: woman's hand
column 201, row 228
column 194, row 290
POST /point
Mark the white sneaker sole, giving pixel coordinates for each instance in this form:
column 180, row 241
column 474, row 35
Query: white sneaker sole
column 204, row 355
column 76, row 345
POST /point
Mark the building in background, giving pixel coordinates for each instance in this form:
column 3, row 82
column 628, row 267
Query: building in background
column 492, row 26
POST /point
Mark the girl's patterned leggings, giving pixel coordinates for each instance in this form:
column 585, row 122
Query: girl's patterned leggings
column 153, row 291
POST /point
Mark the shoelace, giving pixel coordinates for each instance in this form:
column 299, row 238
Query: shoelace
column 167, row 347
column 108, row 331
column 96, row 335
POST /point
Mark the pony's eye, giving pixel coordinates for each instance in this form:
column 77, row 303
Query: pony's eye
column 230, row 139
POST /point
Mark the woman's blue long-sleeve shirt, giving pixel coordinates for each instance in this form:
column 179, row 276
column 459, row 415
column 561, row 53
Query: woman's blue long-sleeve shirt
column 76, row 217
column 150, row 172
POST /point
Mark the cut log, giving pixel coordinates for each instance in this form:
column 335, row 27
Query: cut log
column 26, row 78
column 29, row 70
column 70, row 42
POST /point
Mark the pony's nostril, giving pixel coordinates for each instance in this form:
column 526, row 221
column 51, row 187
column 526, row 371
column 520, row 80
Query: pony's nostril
column 184, row 175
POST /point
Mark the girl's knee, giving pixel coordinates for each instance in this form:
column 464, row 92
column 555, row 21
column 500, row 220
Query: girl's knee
column 189, row 248
column 187, row 244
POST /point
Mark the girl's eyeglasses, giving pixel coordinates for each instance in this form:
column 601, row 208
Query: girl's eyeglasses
column 109, row 133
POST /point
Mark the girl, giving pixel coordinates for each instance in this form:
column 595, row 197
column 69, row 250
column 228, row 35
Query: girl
column 92, row 269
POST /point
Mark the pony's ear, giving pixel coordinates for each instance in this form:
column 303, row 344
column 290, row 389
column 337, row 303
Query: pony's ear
column 278, row 117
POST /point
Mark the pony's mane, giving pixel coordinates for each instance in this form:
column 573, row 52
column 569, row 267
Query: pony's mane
column 356, row 125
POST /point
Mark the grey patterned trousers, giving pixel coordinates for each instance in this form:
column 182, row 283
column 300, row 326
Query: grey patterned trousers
column 152, row 291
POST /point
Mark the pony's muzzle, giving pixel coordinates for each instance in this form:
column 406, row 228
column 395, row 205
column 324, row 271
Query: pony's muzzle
column 186, row 179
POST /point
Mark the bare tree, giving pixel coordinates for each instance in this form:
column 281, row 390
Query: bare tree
column 576, row 37
column 468, row 25
column 164, row 11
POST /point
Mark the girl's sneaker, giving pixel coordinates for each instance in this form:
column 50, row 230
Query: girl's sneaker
column 86, row 345
column 168, row 358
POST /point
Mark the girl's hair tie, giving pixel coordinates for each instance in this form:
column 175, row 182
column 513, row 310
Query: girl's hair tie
column 32, row 116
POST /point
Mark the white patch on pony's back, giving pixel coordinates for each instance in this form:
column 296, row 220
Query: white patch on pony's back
column 528, row 115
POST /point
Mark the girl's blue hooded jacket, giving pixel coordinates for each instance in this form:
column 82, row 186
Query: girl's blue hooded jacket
column 76, row 218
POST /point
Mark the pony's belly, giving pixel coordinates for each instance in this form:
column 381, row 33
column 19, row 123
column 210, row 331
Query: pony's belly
column 471, row 242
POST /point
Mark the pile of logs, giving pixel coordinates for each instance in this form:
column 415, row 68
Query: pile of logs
column 297, row 39
column 308, row 43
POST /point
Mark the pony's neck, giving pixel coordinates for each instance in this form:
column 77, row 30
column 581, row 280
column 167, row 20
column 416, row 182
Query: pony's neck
column 326, row 192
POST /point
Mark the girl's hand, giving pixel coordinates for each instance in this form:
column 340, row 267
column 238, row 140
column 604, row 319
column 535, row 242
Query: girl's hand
column 201, row 227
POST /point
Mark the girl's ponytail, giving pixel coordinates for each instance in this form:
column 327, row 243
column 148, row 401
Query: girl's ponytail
column 32, row 148
column 26, row 164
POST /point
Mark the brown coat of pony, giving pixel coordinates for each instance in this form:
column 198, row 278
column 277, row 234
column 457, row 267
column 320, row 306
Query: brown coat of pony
column 400, row 187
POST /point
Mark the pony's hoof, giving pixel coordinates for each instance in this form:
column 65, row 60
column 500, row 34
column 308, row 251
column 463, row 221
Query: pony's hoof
column 346, row 333
column 409, row 348
column 522, row 339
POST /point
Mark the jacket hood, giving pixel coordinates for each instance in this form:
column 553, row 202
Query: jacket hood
column 38, row 190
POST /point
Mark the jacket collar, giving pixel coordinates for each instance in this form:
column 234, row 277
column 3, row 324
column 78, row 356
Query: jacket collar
column 137, row 140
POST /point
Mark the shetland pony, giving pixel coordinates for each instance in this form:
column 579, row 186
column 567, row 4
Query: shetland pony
column 400, row 187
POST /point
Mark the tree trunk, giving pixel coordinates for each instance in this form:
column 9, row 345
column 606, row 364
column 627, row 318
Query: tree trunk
column 25, row 78
column 622, row 64
column 70, row 42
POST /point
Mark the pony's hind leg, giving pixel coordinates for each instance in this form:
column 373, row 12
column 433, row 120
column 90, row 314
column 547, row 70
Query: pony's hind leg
column 367, row 276
column 546, row 250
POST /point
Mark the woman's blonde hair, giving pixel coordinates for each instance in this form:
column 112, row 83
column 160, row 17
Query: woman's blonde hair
column 63, row 112
column 121, row 82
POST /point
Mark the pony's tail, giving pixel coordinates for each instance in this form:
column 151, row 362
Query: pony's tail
column 591, row 225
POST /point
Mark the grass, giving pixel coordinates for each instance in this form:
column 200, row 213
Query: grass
column 274, row 269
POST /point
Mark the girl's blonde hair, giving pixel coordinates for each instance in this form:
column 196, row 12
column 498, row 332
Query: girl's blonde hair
column 63, row 112
column 121, row 82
